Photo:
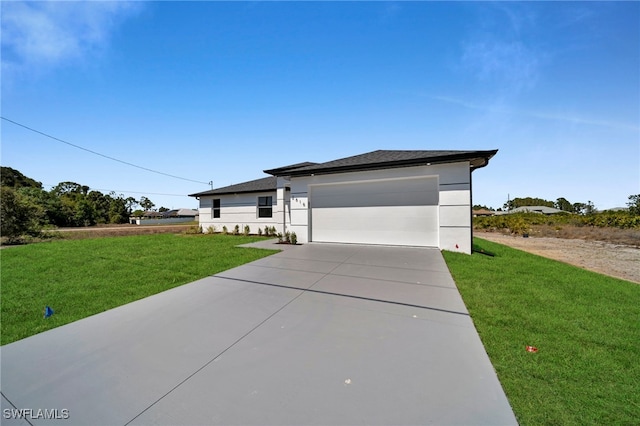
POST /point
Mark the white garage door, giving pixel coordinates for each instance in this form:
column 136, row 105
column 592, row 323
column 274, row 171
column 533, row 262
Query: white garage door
column 394, row 212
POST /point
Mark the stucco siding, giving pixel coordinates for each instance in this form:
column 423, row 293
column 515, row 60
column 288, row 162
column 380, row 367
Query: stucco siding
column 455, row 207
column 421, row 205
column 238, row 209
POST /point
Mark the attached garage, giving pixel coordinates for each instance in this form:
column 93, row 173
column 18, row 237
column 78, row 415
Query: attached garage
column 401, row 211
column 403, row 198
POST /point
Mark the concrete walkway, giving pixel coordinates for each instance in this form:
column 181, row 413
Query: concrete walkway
column 317, row 334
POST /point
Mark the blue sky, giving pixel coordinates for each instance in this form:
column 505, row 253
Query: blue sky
column 219, row 91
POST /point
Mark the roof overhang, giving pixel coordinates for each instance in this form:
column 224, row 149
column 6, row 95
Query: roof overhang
column 476, row 159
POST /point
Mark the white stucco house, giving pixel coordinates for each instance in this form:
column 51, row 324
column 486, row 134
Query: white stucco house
column 406, row 198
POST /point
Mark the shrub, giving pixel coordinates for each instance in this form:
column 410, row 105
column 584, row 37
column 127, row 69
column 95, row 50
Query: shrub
column 211, row 229
column 194, row 230
column 517, row 225
column 259, row 232
column 246, row 230
column 294, row 238
column 279, row 236
column 236, row 230
column 225, row 231
column 287, row 237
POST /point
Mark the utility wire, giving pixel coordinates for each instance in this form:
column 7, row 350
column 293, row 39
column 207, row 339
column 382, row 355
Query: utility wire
column 101, row 155
column 123, row 191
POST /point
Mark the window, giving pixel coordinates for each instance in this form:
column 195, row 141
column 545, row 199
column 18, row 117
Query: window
column 215, row 210
column 264, row 206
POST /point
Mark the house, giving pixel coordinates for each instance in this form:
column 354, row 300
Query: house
column 536, row 209
column 410, row 198
column 483, row 212
column 181, row 213
column 166, row 217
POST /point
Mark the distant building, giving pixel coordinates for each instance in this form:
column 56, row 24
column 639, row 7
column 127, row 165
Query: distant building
column 483, row 212
column 169, row 216
column 537, row 209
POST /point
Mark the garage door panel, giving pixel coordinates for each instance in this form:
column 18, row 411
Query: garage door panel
column 404, row 192
column 393, row 211
column 393, row 225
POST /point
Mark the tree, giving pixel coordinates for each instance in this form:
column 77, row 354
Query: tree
column 590, row 208
column 564, row 205
column 526, row 202
column 120, row 208
column 480, row 207
column 634, row 204
column 18, row 216
column 146, row 203
column 579, row 208
column 69, row 188
column 14, row 179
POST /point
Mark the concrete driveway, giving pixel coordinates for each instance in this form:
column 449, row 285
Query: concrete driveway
column 317, row 334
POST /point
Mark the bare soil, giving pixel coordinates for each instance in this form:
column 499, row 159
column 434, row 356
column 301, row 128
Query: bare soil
column 121, row 230
column 609, row 257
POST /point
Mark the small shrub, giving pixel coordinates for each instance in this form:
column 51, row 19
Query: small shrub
column 518, row 225
column 194, row 230
column 236, row 230
column 279, row 236
column 259, row 232
column 294, row 238
column 211, row 229
column 287, row 237
column 225, row 231
column 246, row 230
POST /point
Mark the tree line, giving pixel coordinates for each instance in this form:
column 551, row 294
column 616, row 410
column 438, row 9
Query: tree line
column 562, row 204
column 26, row 207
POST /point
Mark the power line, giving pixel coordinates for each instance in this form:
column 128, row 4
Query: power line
column 101, row 155
column 125, row 191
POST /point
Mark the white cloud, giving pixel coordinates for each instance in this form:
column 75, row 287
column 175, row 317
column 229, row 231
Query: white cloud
column 511, row 64
column 43, row 35
column 554, row 116
column 499, row 51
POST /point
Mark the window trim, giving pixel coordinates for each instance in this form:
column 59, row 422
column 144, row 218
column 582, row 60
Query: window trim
column 264, row 204
column 215, row 210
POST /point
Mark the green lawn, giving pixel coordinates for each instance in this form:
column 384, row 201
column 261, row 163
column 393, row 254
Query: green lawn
column 586, row 327
column 79, row 278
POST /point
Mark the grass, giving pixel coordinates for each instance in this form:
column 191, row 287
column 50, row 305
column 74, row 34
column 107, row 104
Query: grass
column 586, row 327
column 79, row 278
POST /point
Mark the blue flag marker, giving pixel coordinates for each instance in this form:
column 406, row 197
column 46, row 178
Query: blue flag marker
column 48, row 312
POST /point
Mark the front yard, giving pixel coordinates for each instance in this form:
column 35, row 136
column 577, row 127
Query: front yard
column 584, row 325
column 79, row 278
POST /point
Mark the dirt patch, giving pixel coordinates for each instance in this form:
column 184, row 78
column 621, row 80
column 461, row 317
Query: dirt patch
column 120, row 230
column 609, row 258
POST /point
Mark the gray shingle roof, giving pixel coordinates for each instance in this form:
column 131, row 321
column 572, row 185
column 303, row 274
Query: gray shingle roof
column 380, row 159
column 383, row 159
column 257, row 185
column 282, row 170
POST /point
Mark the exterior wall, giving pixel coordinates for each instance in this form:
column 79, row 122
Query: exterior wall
column 291, row 209
column 238, row 209
column 453, row 209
